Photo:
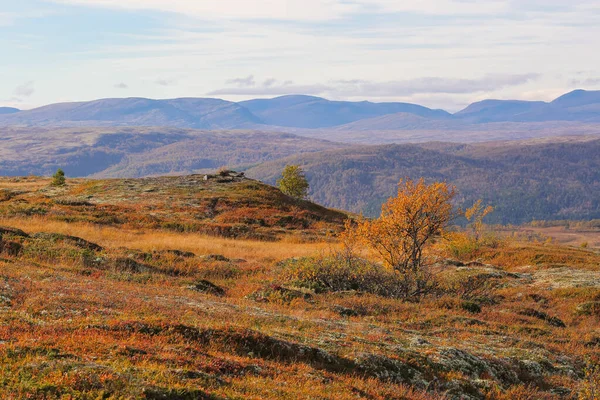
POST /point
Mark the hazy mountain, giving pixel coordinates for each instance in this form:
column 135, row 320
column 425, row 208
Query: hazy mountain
column 180, row 113
column 499, row 110
column 540, row 179
column 402, row 121
column 8, row 110
column 315, row 112
column 356, row 122
column 578, row 105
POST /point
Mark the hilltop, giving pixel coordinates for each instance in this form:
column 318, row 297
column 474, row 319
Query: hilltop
column 226, row 204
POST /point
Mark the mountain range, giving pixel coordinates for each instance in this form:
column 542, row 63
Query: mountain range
column 305, row 113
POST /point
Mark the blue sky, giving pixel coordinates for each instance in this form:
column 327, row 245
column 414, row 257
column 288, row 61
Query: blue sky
column 442, row 53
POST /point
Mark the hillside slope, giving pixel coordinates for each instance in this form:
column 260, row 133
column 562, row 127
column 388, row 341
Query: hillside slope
column 544, row 179
column 132, row 152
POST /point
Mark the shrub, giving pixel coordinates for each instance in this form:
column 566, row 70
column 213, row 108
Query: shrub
column 293, row 182
column 58, row 179
column 408, row 224
column 471, row 307
column 335, row 273
column 467, row 247
column 479, row 287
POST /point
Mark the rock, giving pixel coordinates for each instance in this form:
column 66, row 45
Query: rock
column 205, row 286
column 388, row 369
column 419, row 341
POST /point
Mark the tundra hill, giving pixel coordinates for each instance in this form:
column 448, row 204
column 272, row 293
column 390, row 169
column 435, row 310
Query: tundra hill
column 539, row 179
column 226, row 204
column 108, row 289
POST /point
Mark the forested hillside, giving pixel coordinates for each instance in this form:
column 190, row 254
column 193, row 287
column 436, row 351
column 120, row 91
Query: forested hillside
column 542, row 179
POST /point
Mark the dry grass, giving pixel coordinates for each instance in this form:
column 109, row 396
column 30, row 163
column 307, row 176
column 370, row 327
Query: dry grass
column 163, row 240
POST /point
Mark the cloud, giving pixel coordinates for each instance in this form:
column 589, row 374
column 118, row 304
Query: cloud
column 363, row 88
column 585, row 82
column 6, row 19
column 432, row 85
column 327, row 10
column 24, row 90
column 302, row 10
column 273, row 90
column 164, row 82
column 242, row 82
column 270, row 82
column 121, row 86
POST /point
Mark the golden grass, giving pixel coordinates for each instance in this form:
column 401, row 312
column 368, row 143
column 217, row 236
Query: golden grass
column 113, row 237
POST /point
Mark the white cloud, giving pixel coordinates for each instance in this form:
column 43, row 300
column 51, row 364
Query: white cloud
column 6, row 19
column 24, row 90
column 369, row 89
column 315, row 10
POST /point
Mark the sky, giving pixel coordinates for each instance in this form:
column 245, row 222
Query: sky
column 438, row 53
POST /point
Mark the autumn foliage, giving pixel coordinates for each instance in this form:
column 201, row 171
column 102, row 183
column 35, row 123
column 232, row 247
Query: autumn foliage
column 409, row 222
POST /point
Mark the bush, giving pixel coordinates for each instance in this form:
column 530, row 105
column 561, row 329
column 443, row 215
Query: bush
column 480, row 288
column 466, row 247
column 58, row 179
column 471, row 307
column 335, row 273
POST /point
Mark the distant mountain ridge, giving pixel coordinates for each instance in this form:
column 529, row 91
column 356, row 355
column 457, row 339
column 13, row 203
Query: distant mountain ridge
column 301, row 112
column 578, row 105
column 314, row 112
column 8, row 110
column 195, row 113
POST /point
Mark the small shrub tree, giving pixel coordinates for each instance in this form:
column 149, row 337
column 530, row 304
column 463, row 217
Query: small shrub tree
column 58, row 179
column 409, row 222
column 475, row 216
column 469, row 244
column 293, row 182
